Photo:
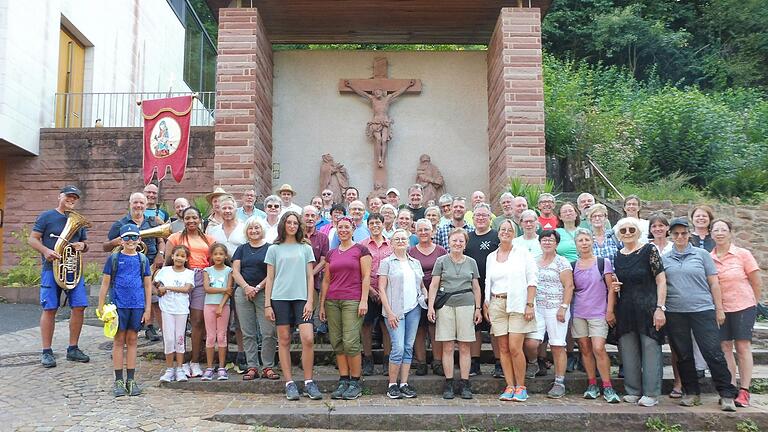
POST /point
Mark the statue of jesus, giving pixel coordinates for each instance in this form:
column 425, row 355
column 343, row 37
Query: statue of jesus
column 380, row 128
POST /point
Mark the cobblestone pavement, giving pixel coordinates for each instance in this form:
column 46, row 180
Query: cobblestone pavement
column 78, row 397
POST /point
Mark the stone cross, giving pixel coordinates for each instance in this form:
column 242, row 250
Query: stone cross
column 381, row 91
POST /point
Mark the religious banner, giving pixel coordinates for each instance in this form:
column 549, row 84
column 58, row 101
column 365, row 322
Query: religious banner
column 166, row 136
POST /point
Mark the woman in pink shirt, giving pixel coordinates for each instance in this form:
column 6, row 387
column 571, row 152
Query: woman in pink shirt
column 739, row 277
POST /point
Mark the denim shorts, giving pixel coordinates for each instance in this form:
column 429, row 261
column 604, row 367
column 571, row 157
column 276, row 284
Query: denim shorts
column 50, row 293
column 738, row 325
column 129, row 319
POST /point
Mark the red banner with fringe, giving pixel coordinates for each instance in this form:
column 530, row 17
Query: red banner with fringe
column 166, row 136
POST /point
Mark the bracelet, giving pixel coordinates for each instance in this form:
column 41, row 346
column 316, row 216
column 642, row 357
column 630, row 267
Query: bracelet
column 268, row 307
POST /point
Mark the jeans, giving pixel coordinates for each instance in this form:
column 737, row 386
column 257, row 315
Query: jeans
column 403, row 337
column 705, row 329
column 253, row 323
column 643, row 366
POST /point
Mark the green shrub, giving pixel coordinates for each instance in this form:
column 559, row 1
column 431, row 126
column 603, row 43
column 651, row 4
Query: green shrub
column 518, row 187
column 27, row 271
column 674, row 187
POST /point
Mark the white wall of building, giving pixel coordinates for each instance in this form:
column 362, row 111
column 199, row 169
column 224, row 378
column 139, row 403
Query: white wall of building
column 131, row 46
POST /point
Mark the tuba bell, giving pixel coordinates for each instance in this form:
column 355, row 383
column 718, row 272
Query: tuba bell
column 68, row 269
column 160, row 231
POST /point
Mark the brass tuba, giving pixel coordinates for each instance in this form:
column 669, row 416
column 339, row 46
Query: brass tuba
column 68, row 269
column 160, row 231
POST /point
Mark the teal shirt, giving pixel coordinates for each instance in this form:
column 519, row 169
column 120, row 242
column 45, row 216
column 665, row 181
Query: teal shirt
column 567, row 245
column 290, row 266
column 217, row 279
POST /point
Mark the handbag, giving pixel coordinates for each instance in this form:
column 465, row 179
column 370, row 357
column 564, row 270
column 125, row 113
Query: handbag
column 442, row 297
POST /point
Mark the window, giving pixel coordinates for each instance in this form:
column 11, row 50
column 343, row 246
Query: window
column 201, row 31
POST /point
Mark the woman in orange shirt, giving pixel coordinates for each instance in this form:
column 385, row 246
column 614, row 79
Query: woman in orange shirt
column 739, row 277
column 199, row 258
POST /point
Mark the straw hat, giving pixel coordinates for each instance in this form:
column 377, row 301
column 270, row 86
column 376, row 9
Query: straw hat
column 219, row 191
column 286, row 187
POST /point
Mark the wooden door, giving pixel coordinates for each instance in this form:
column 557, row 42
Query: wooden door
column 69, row 107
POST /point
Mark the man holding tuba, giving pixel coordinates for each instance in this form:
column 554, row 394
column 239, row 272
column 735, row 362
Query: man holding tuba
column 155, row 247
column 52, row 227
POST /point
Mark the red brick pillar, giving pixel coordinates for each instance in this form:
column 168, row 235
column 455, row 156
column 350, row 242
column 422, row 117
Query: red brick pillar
column 515, row 100
column 243, row 141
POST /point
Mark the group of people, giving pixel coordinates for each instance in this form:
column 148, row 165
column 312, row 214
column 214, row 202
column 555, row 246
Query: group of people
column 439, row 273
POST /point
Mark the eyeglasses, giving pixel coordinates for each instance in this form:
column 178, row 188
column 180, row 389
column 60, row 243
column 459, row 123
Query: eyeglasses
column 327, row 193
column 277, row 206
column 130, row 237
column 356, row 209
column 400, row 239
column 597, row 216
column 679, row 233
column 547, row 240
column 628, row 230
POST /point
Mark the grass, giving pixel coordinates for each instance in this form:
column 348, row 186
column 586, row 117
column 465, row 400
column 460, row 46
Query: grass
column 656, row 424
column 747, row 425
column 674, row 187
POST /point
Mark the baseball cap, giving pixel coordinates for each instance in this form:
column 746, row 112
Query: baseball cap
column 393, row 190
column 129, row 229
column 70, row 189
column 678, row 221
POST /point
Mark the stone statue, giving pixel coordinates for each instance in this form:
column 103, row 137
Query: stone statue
column 430, row 179
column 333, row 176
column 380, row 128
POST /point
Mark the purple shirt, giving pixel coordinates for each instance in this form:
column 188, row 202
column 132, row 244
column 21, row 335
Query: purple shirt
column 319, row 243
column 427, row 261
column 346, row 275
column 590, row 295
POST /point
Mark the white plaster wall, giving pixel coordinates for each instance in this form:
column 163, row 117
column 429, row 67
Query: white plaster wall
column 132, row 46
column 448, row 120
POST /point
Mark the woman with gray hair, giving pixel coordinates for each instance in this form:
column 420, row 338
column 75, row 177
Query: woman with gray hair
column 642, row 287
column 250, row 272
column 529, row 240
column 605, row 244
column 389, row 212
column 272, row 206
column 432, row 214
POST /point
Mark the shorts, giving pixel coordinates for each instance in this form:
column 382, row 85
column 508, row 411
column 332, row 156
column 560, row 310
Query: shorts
column 344, row 326
column 197, row 296
column 455, row 323
column 738, row 325
column 50, row 293
column 289, row 312
column 503, row 323
column 374, row 312
column 596, row 327
column 129, row 319
column 547, row 323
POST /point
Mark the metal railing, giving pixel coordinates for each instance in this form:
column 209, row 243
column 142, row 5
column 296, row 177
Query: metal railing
column 76, row 110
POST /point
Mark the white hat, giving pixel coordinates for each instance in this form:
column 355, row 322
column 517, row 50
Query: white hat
column 393, row 190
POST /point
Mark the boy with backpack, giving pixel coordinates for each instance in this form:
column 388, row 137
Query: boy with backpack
column 128, row 282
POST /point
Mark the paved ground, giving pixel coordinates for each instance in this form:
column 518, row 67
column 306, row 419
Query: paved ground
column 78, row 396
column 17, row 317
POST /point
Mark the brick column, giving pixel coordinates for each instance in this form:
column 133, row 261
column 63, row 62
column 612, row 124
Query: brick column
column 243, row 140
column 515, row 100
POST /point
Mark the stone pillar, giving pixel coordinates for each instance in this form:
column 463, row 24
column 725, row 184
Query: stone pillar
column 515, row 100
column 243, row 140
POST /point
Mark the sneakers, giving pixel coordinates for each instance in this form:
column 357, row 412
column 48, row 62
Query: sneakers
column 466, row 389
column 340, row 389
column 48, row 360
column 437, row 368
column 181, row 376
column 151, row 334
column 531, row 369
column 521, row 394
column 508, row 394
column 77, row 356
column 727, row 404
column 474, row 368
column 119, row 389
column 195, row 371
column 354, row 390
column 207, row 375
column 647, row 401
column 407, row 391
column 291, row 391
column 593, row 392
column 186, row 369
column 421, row 369
column 542, row 367
column 447, row 390
column 311, row 391
column 367, row 366
column 631, row 399
column 690, row 400
column 222, row 374
column 498, row 372
column 557, row 391
column 393, row 392
column 168, row 376
column 132, row 388
column 742, row 400
column 610, row 396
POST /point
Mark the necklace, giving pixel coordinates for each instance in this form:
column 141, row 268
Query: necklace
column 457, row 269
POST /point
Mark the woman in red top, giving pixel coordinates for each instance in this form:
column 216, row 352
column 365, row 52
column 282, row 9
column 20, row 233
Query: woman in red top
column 198, row 244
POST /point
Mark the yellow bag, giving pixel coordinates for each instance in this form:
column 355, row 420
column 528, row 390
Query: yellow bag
column 109, row 315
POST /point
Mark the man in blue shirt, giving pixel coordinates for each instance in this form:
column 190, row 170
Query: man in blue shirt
column 151, row 191
column 51, row 223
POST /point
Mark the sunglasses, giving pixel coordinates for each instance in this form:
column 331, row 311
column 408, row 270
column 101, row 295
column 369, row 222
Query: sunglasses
column 327, row 194
column 628, row 230
column 130, row 237
column 273, row 205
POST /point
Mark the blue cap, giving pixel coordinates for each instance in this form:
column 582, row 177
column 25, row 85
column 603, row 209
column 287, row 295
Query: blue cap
column 129, row 229
column 70, row 189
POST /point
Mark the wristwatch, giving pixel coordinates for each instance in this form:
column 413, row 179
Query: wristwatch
column 564, row 305
column 662, row 307
column 529, row 304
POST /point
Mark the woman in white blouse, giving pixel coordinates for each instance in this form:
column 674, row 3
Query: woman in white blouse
column 510, row 291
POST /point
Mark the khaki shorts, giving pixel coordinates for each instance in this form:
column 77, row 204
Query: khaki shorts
column 455, row 323
column 503, row 323
column 582, row 328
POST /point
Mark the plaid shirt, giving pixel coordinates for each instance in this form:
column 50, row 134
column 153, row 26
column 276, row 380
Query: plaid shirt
column 610, row 246
column 444, row 231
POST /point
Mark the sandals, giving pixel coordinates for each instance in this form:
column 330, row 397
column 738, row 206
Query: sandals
column 268, row 373
column 251, row 374
column 675, row 394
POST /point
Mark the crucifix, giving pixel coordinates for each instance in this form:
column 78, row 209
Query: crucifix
column 381, row 91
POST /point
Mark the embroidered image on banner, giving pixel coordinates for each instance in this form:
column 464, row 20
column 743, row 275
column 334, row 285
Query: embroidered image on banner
column 166, row 136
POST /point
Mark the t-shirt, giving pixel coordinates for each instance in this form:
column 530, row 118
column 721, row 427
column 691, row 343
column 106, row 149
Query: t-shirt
column 158, row 213
column 217, row 279
column 549, row 292
column 531, row 245
column 290, row 264
column 548, row 223
column 410, row 289
column 198, row 249
column 346, row 278
column 590, row 295
column 235, row 238
column 252, row 266
column 52, row 222
column 687, row 286
column 479, row 247
column 175, row 302
column 733, row 271
column 456, row 277
column 360, row 233
column 427, row 261
column 128, row 286
column 567, row 245
column 242, row 216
